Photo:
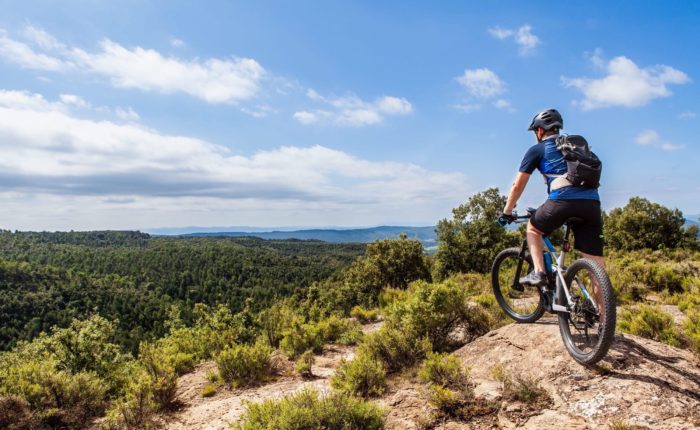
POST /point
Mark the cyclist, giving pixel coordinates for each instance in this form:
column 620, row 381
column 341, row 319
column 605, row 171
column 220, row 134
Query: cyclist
column 564, row 200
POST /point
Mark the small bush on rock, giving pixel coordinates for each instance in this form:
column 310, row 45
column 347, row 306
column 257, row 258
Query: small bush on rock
column 394, row 348
column 307, row 410
column 364, row 376
column 439, row 312
column 304, row 363
column 241, row 365
column 365, row 315
column 650, row 322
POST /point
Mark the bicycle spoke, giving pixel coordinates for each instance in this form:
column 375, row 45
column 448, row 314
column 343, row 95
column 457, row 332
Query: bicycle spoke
column 521, row 303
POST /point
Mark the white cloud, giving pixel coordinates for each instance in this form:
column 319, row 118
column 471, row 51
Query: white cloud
column 503, row 104
column 523, row 36
column 214, row 80
column 177, row 43
column 260, row 111
column 467, row 107
column 653, row 139
column 305, row 118
column 500, row 33
column 352, row 111
column 394, row 105
column 72, row 99
column 687, row 115
column 42, row 39
column 24, row 56
column 482, row 83
column 127, row 114
column 72, row 159
column 626, row 84
column 526, row 39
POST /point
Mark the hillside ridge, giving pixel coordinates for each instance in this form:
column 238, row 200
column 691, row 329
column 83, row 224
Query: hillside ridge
column 641, row 382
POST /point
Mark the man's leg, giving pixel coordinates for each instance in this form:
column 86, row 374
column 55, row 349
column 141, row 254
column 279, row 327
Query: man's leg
column 536, row 245
column 537, row 277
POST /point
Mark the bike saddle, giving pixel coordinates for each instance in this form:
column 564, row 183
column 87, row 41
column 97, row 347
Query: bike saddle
column 531, row 211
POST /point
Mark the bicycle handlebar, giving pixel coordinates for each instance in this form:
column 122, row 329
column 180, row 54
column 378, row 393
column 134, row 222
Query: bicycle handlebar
column 503, row 220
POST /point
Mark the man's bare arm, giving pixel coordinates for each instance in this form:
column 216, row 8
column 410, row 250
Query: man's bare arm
column 516, row 190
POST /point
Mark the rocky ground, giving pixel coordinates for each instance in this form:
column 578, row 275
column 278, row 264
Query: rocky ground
column 641, row 382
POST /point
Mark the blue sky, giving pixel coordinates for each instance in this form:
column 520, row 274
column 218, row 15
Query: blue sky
column 139, row 114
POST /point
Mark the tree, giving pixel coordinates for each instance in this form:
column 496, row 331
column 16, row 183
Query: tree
column 392, row 263
column 644, row 224
column 471, row 239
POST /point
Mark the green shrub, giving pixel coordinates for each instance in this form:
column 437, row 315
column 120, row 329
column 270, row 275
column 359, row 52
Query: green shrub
column 525, row 389
column 394, row 348
column 275, row 320
column 163, row 376
column 691, row 328
column 365, row 315
column 650, row 322
column 86, row 346
column 333, row 328
column 689, row 301
column 449, row 386
column 209, row 390
column 301, row 337
column 634, row 274
column 241, row 365
column 445, row 370
column 445, row 399
column 214, row 377
column 391, row 295
column 304, row 363
column 363, row 376
column 351, row 337
column 136, row 409
column 437, row 312
column 55, row 396
column 306, row 410
column 622, row 425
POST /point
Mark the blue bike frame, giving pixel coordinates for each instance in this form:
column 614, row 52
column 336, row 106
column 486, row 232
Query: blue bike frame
column 555, row 264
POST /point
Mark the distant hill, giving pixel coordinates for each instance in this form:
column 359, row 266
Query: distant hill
column 363, row 235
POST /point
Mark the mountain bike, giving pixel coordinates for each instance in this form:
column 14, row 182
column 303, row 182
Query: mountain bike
column 586, row 318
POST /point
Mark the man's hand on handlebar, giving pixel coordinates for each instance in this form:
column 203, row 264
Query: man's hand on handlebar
column 505, row 219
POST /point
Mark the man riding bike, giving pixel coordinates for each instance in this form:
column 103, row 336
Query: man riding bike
column 564, row 200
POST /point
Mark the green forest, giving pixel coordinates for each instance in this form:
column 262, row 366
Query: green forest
column 101, row 324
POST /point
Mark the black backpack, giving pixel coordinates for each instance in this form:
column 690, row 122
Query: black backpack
column 582, row 165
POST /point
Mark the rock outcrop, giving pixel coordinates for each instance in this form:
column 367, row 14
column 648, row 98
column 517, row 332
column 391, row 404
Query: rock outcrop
column 641, row 383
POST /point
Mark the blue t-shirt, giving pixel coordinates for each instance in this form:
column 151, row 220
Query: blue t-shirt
column 546, row 158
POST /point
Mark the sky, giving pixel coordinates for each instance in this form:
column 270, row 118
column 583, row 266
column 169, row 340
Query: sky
column 147, row 114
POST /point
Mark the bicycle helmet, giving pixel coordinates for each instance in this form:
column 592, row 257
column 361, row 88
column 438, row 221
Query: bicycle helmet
column 547, row 120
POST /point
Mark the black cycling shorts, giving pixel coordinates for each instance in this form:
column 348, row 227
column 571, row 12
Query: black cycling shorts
column 588, row 233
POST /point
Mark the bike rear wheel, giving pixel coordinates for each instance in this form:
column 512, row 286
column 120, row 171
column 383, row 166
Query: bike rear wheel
column 588, row 329
column 525, row 306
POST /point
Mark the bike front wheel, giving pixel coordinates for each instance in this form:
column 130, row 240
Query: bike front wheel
column 524, row 306
column 588, row 329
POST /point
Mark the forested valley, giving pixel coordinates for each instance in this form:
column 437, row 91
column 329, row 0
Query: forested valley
column 98, row 326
